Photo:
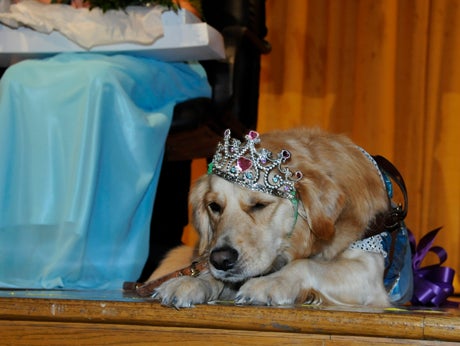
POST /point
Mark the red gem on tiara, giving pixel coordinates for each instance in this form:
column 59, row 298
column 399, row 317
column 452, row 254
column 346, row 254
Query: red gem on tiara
column 243, row 164
column 253, row 134
column 285, row 154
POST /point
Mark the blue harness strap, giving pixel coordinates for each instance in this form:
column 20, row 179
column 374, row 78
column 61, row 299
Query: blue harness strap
column 398, row 276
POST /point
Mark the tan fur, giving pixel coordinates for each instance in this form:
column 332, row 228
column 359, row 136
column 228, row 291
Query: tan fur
column 178, row 258
column 283, row 259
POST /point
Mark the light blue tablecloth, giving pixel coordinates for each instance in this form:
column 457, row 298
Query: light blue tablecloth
column 81, row 145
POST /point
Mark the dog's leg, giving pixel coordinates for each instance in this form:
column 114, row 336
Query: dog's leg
column 354, row 278
column 175, row 259
column 186, row 291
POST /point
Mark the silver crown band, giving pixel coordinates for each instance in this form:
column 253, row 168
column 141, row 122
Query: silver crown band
column 242, row 164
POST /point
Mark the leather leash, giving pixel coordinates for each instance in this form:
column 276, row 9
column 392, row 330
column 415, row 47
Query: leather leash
column 146, row 289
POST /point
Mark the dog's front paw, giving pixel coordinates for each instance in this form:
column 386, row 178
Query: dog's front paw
column 183, row 292
column 268, row 291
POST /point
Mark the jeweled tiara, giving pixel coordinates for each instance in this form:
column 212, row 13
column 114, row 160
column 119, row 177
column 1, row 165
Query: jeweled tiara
column 241, row 163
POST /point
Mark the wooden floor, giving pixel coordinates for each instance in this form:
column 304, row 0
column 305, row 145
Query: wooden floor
column 54, row 317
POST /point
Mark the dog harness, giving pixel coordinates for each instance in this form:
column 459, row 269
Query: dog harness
column 389, row 236
column 394, row 246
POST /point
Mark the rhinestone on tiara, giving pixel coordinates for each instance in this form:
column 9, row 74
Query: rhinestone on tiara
column 241, row 163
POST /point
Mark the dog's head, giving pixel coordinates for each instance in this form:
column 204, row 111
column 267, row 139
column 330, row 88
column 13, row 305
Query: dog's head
column 245, row 232
column 248, row 233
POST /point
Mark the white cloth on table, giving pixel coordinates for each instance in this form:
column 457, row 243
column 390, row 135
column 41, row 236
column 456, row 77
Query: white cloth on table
column 88, row 28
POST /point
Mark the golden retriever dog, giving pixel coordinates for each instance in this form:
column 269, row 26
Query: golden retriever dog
column 285, row 237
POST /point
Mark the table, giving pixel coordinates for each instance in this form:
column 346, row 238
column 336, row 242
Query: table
column 58, row 317
column 185, row 38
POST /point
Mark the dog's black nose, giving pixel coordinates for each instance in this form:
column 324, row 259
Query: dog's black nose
column 224, row 258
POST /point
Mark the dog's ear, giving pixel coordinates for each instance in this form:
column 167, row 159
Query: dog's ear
column 200, row 217
column 324, row 201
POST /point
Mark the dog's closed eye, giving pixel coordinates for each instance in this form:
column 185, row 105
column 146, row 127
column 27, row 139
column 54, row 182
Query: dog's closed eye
column 257, row 206
column 215, row 208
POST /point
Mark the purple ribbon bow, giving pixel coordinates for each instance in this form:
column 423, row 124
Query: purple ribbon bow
column 433, row 283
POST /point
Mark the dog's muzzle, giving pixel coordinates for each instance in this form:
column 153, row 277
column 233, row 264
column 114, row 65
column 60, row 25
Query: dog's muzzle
column 224, row 258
